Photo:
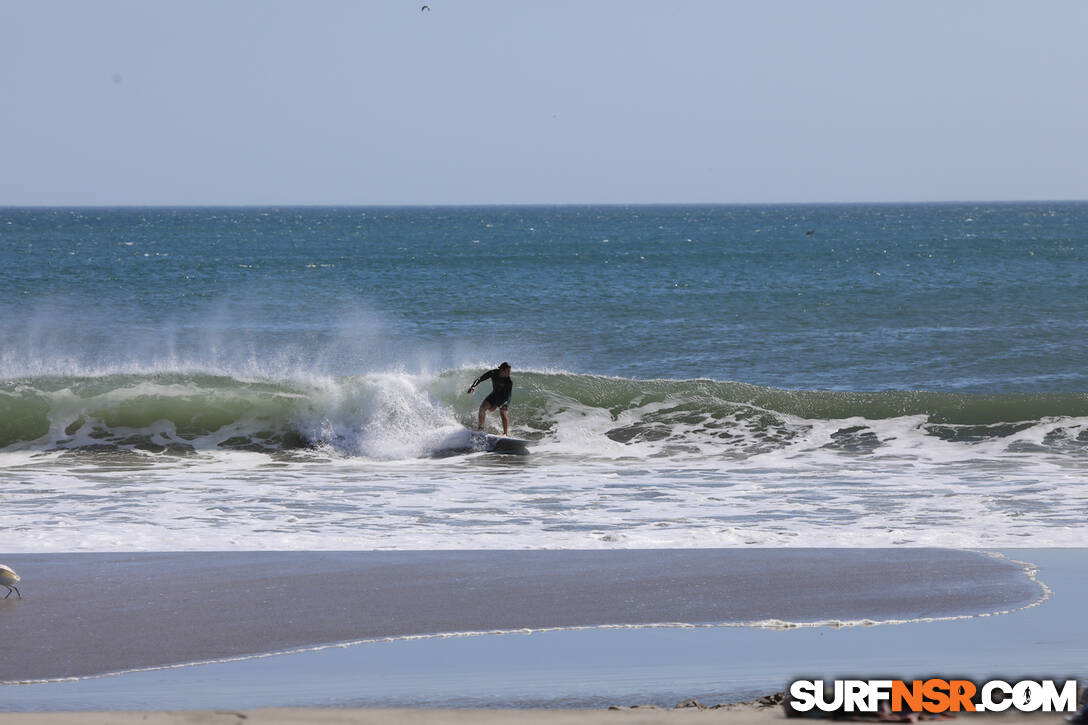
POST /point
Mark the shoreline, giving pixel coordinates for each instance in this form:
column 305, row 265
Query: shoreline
column 571, row 669
column 109, row 613
column 735, row 714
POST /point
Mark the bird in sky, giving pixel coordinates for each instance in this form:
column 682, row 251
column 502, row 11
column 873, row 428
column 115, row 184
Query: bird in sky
column 8, row 577
column 425, row 7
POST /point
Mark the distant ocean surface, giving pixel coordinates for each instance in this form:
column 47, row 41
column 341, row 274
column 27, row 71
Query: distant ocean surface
column 294, row 378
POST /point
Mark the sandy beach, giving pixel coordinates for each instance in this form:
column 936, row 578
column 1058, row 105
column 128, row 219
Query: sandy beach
column 574, row 637
column 309, row 716
column 739, row 715
column 105, row 613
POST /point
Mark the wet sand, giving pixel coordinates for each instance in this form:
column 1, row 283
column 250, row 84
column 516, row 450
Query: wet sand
column 403, row 716
column 313, row 716
column 85, row 614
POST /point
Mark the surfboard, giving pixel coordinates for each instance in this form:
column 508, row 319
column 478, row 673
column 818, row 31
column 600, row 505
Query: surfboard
column 498, row 444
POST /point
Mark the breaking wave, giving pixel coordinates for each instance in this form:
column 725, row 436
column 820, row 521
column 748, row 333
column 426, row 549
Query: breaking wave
column 397, row 415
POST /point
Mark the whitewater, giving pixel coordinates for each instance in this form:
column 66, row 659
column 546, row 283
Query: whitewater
column 198, row 461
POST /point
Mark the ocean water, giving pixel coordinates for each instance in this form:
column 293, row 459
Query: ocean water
column 194, row 379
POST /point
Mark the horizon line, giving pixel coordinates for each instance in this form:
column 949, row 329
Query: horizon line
column 477, row 205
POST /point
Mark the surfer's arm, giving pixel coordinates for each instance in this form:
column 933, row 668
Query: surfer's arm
column 482, row 378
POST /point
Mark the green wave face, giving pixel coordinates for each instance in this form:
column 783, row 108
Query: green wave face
column 178, row 413
column 751, row 419
column 711, row 396
column 151, row 412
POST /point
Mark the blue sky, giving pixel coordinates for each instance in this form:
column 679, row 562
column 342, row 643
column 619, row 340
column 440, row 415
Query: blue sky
column 481, row 102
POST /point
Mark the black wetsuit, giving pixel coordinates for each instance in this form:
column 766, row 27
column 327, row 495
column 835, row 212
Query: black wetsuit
column 501, row 388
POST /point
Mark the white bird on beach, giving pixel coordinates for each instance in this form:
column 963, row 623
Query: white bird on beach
column 8, row 577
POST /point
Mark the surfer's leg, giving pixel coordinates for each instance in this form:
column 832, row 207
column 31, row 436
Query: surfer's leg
column 484, row 407
column 505, row 421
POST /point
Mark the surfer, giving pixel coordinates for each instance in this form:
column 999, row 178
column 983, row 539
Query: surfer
column 502, row 387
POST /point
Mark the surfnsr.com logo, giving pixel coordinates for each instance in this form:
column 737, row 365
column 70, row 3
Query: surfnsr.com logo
column 934, row 695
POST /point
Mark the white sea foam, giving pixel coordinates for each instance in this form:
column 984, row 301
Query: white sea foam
column 133, row 463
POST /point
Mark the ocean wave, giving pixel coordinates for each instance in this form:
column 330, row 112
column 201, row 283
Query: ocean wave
column 396, row 415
